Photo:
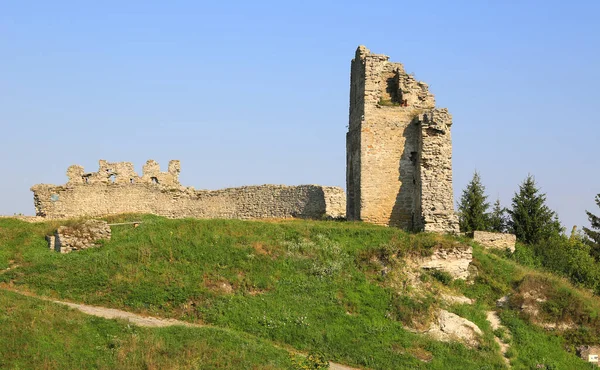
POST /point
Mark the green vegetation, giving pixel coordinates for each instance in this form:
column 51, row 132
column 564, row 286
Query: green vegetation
column 541, row 241
column 334, row 289
column 388, row 103
column 531, row 345
column 531, row 219
column 314, row 361
column 497, row 219
column 593, row 234
column 569, row 257
column 472, row 207
column 35, row 334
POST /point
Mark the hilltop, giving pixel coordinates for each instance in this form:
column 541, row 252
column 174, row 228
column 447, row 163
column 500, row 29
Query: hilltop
column 265, row 289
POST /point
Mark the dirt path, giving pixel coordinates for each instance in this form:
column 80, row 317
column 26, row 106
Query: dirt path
column 494, row 320
column 111, row 313
column 145, row 321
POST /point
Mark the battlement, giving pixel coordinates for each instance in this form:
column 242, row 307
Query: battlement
column 123, row 173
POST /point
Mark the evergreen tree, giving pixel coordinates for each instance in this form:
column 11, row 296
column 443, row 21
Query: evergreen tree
column 497, row 219
column 530, row 219
column 472, row 207
column 593, row 234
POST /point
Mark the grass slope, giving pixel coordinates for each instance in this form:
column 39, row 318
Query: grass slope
column 307, row 284
column 35, row 334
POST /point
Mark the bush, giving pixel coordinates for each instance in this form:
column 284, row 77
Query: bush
column 442, row 276
column 314, row 361
column 570, row 258
column 525, row 255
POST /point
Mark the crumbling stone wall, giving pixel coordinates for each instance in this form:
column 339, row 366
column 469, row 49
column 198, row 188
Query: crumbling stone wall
column 116, row 188
column 77, row 237
column 399, row 152
column 495, row 240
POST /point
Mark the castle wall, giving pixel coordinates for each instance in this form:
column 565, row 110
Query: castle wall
column 392, row 173
column 435, row 198
column 115, row 189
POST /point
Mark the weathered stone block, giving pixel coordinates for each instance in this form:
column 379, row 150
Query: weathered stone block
column 495, row 240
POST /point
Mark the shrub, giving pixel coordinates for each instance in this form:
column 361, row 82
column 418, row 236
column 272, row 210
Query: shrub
column 442, row 276
column 314, row 361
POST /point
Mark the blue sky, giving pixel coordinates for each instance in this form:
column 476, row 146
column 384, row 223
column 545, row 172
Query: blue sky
column 257, row 92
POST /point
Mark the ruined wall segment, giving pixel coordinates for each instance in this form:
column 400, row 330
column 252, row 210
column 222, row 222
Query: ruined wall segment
column 495, row 240
column 434, row 206
column 116, row 188
column 390, row 152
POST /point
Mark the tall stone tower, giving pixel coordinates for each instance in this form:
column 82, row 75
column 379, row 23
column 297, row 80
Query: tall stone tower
column 398, row 149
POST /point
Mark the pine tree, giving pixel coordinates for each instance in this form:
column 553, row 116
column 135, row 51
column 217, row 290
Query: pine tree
column 530, row 219
column 497, row 219
column 593, row 234
column 472, row 208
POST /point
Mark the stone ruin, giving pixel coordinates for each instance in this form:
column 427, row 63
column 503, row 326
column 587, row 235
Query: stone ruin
column 398, row 172
column 495, row 240
column 116, row 188
column 398, row 149
column 79, row 236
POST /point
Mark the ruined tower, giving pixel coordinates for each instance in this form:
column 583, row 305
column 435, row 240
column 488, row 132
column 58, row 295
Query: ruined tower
column 398, row 149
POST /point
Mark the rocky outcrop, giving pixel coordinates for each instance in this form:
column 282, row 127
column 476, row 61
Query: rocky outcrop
column 495, row 240
column 455, row 261
column 455, row 299
column 448, row 326
column 80, row 236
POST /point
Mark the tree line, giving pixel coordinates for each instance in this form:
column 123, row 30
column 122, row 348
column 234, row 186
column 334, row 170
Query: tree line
column 542, row 241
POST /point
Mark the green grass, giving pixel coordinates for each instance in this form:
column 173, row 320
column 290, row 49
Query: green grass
column 311, row 285
column 35, row 334
column 533, row 348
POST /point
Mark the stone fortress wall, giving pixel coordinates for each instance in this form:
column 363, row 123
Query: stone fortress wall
column 398, row 149
column 398, row 172
column 116, row 188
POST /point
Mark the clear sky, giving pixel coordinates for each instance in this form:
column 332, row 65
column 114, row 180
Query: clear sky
column 254, row 92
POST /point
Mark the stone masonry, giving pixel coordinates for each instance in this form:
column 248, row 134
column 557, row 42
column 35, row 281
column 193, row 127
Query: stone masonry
column 398, row 149
column 116, row 188
column 80, row 236
column 495, row 240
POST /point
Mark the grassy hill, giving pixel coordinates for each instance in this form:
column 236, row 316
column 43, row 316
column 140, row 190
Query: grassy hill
column 264, row 286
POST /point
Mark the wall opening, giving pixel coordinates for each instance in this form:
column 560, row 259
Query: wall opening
column 112, row 178
column 154, row 180
column 390, row 91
